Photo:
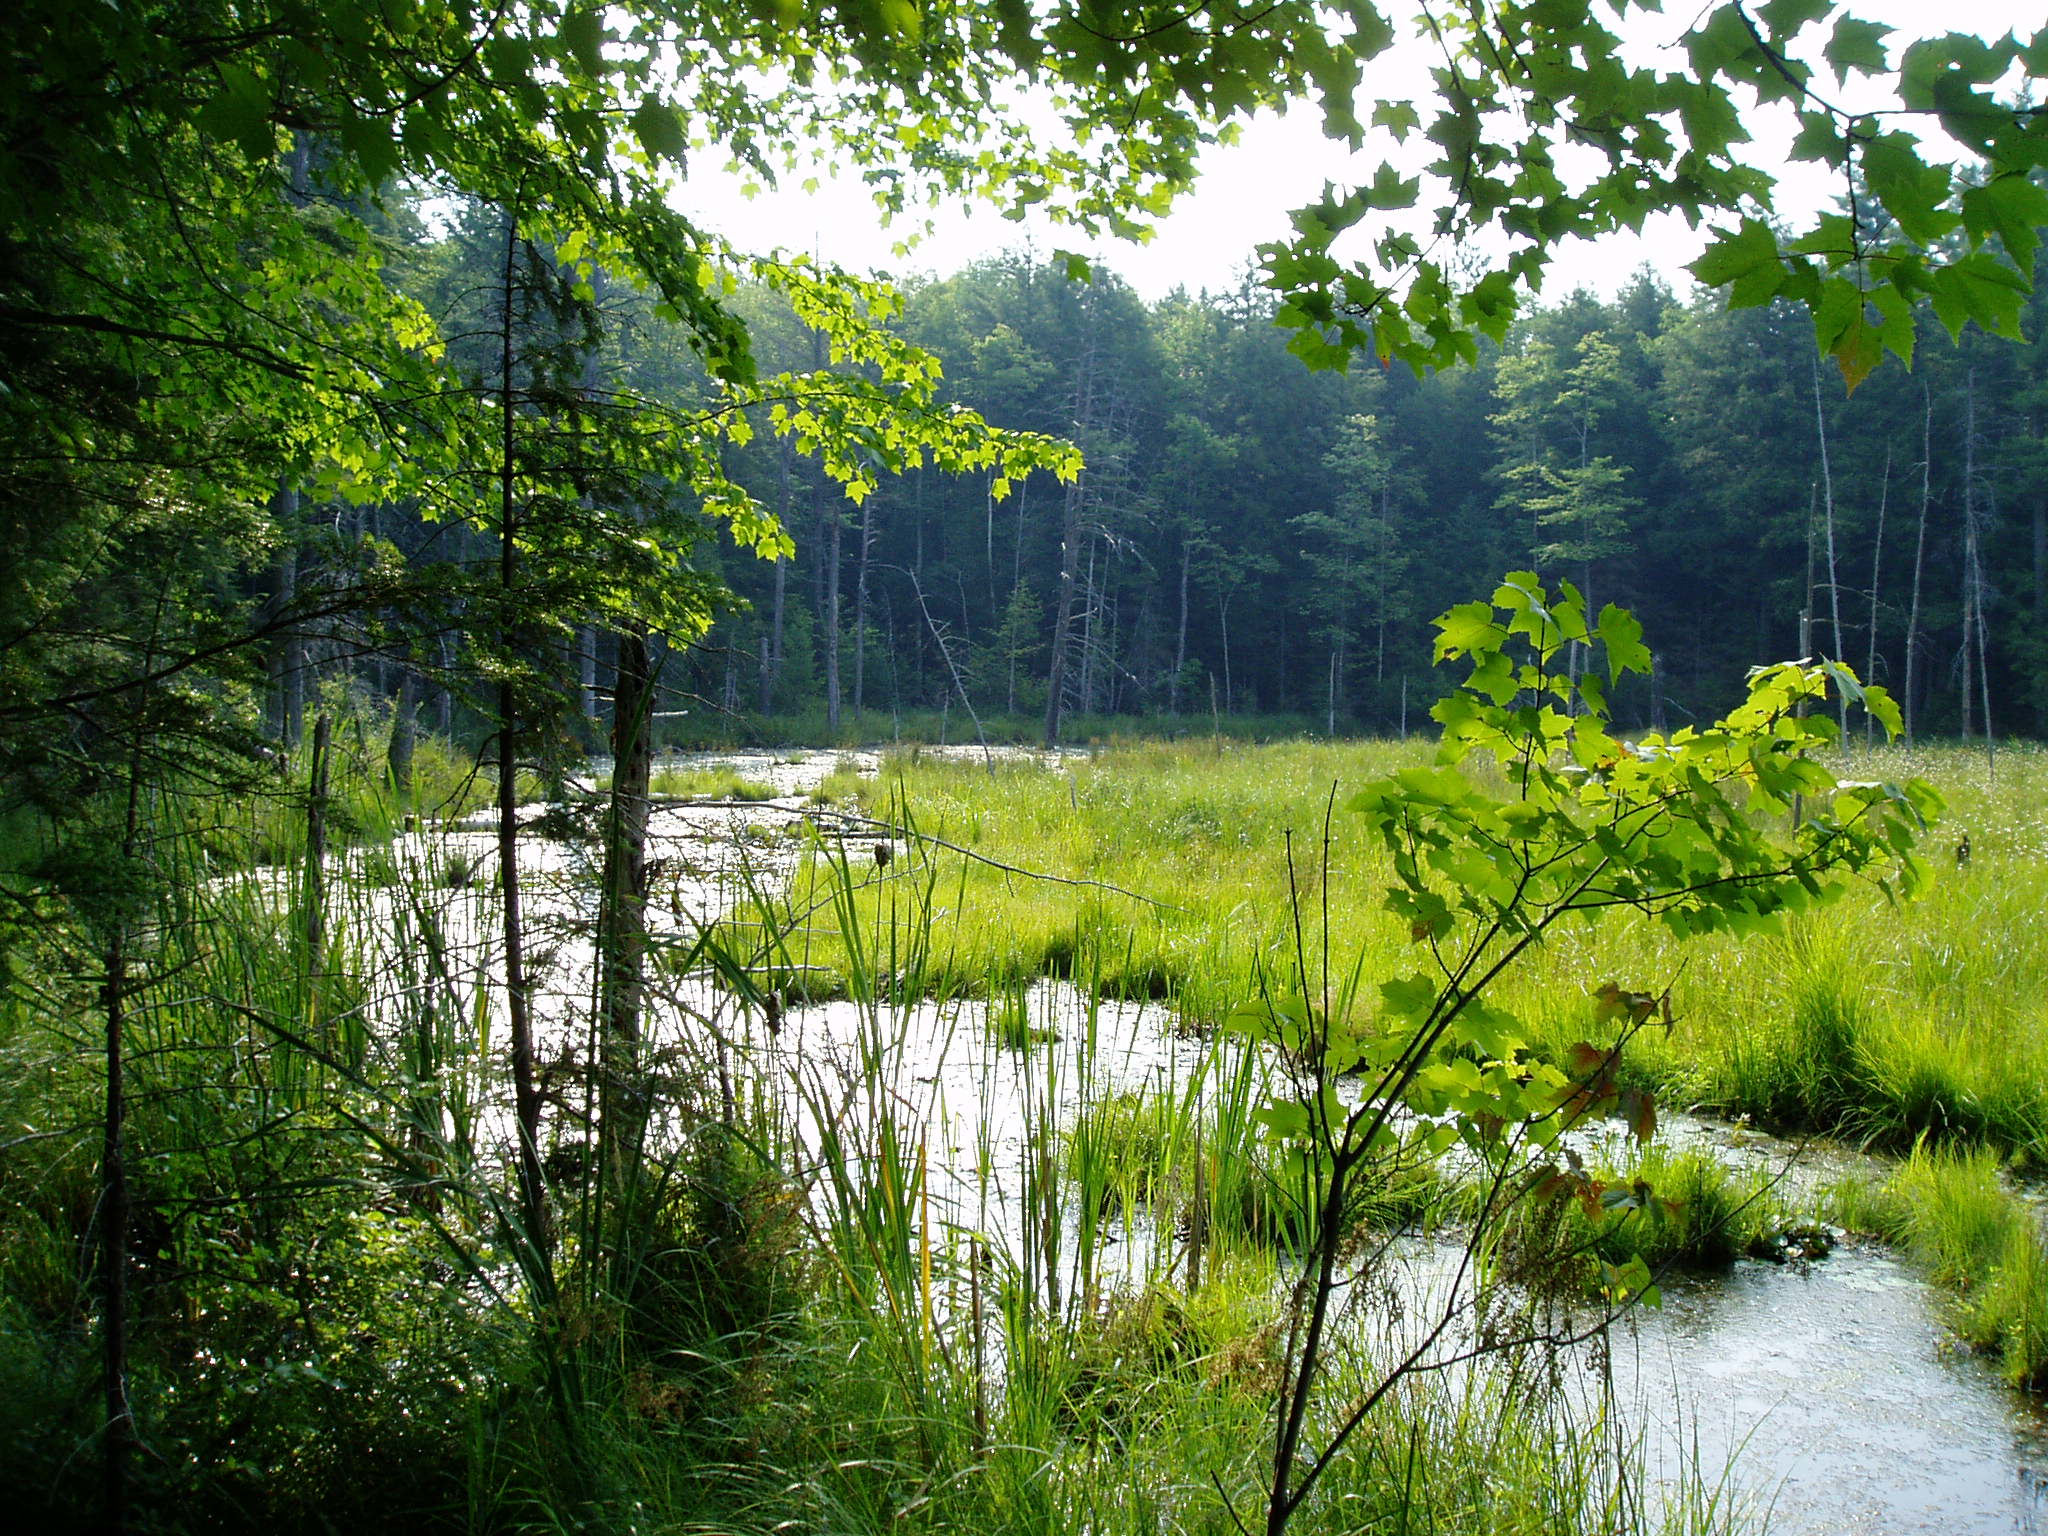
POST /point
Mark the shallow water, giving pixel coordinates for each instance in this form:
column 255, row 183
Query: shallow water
column 1833, row 1387
column 1830, row 1385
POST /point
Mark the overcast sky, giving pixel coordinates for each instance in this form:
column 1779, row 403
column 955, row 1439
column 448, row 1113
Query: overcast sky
column 1246, row 191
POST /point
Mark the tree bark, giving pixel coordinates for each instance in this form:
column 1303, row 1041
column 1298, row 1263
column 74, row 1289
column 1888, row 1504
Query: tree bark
column 622, row 922
column 518, row 986
column 1919, row 557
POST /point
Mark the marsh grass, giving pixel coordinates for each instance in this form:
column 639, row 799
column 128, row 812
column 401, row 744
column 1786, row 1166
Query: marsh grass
column 1863, row 1018
column 778, row 1325
column 708, row 784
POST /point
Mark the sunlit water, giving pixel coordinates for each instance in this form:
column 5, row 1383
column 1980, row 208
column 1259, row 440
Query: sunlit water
column 1830, row 1387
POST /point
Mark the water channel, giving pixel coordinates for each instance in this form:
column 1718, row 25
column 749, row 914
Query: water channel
column 1829, row 1389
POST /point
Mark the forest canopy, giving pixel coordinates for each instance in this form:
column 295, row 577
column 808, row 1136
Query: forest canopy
column 216, row 353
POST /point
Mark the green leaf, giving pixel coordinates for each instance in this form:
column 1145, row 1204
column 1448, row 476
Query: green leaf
column 1858, row 46
column 2013, row 208
column 660, row 130
column 1398, row 117
column 1390, row 189
column 1747, row 259
column 1468, row 629
column 582, row 40
column 1913, row 191
column 1622, row 637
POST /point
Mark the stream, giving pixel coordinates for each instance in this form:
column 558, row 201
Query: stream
column 1828, row 1388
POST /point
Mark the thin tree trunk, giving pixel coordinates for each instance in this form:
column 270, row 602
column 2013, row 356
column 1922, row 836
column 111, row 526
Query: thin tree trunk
column 1180, row 641
column 1223, row 624
column 316, row 861
column 1063, row 623
column 518, row 987
column 1827, row 480
column 860, row 607
column 1919, row 556
column 1973, row 559
column 622, row 925
column 1884, row 497
column 119, row 1434
column 771, row 648
column 829, row 524
column 288, row 656
column 405, row 730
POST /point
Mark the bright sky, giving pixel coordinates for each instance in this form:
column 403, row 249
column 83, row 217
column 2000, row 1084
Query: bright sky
column 1246, row 190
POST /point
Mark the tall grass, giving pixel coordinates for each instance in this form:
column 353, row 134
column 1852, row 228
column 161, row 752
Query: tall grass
column 791, row 1318
column 1863, row 1018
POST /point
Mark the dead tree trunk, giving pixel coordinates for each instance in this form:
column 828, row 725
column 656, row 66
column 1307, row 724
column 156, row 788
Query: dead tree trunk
column 1884, row 497
column 1919, row 557
column 518, row 986
column 1827, row 480
column 622, row 920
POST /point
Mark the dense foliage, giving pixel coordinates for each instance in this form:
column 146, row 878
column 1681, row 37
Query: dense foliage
column 364, row 359
column 1264, row 540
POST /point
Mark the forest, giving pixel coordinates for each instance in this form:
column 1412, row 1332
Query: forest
column 1281, row 866
column 1250, row 538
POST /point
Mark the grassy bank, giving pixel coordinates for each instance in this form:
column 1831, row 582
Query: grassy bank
column 329, row 1272
column 1174, row 869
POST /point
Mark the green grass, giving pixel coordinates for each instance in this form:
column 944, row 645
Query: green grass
column 783, row 1334
column 1861, row 1018
column 708, row 784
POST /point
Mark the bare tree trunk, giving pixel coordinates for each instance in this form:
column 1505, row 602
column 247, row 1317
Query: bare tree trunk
column 1063, row 623
column 444, row 696
column 1919, row 556
column 1091, row 607
column 622, row 922
column 1976, row 615
column 288, row 655
column 860, row 607
column 316, row 861
column 829, row 524
column 518, row 986
column 1180, row 640
column 118, row 1437
column 1223, row 623
column 405, row 730
column 771, row 645
column 1884, row 497
column 1827, row 480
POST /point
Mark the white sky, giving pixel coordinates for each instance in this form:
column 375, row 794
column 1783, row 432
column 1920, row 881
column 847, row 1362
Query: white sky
column 1246, row 191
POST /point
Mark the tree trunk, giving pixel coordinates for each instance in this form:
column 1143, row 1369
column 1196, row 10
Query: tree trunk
column 1973, row 564
column 860, row 607
column 1063, row 623
column 518, row 987
column 622, row 922
column 1884, row 497
column 1180, row 640
column 1919, row 557
column 771, row 646
column 404, row 737
column 829, row 523
column 118, row 1445
column 316, row 862
column 1827, row 480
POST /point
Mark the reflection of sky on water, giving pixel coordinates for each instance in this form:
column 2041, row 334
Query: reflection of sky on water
column 1829, row 1383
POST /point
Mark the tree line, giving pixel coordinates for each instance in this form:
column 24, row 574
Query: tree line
column 1250, row 538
